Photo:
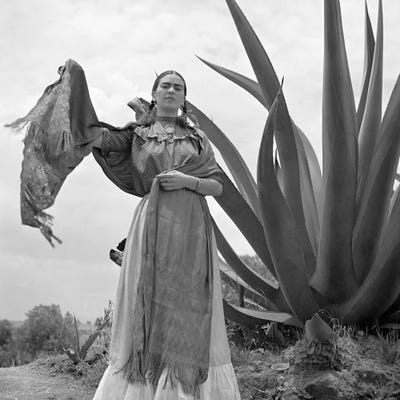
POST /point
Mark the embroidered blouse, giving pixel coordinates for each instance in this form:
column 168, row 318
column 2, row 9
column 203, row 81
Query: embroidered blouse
column 153, row 150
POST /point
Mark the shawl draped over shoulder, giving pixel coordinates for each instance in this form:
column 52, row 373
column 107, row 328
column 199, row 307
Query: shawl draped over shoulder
column 57, row 140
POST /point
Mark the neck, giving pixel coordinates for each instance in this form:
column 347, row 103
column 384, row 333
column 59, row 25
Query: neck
column 166, row 113
column 167, row 118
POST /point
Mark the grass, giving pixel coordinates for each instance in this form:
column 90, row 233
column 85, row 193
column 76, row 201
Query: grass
column 367, row 372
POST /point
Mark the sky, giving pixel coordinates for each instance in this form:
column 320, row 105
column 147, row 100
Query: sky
column 121, row 45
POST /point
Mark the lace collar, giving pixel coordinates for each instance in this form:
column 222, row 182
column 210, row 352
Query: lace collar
column 157, row 131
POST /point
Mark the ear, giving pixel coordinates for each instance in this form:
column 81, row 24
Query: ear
column 153, row 95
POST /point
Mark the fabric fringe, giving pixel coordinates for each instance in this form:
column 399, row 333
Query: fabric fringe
column 64, row 144
column 149, row 371
column 45, row 221
column 18, row 124
column 133, row 370
column 42, row 141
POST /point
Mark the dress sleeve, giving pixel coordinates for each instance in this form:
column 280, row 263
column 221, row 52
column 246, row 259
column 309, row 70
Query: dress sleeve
column 119, row 141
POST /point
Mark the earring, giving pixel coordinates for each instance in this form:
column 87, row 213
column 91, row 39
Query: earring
column 152, row 104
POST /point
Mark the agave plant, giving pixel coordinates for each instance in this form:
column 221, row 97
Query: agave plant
column 331, row 240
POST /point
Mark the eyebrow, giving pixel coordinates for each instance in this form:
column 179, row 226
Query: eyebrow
column 169, row 83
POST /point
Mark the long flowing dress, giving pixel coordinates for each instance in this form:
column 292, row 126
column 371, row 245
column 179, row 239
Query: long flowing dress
column 153, row 151
column 58, row 138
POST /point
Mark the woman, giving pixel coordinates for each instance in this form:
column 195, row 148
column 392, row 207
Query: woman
column 168, row 334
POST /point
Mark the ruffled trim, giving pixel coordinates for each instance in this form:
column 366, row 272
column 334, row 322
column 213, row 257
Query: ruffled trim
column 220, row 385
column 156, row 131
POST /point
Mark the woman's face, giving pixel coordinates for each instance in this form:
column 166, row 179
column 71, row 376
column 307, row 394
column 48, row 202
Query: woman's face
column 169, row 94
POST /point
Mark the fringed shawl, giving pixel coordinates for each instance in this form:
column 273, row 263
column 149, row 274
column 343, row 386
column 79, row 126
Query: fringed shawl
column 57, row 140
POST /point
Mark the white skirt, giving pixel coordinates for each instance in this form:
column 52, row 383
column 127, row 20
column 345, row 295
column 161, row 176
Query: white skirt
column 221, row 383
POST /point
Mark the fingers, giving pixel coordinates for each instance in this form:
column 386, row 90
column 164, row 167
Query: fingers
column 168, row 186
column 166, row 174
column 166, row 182
column 170, row 180
column 165, row 179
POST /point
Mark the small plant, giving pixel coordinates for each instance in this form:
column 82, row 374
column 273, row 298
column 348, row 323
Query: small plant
column 78, row 353
column 322, row 346
column 390, row 345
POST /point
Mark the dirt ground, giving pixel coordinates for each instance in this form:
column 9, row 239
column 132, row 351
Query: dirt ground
column 29, row 382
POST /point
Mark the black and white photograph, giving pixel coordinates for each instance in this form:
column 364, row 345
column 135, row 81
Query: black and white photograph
column 200, row 200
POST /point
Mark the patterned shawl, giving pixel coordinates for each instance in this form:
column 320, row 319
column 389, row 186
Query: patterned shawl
column 57, row 140
column 172, row 317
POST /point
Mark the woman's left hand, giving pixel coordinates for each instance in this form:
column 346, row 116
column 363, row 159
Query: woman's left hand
column 174, row 180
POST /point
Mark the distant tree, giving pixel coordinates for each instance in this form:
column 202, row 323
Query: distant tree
column 6, row 343
column 44, row 329
column 5, row 332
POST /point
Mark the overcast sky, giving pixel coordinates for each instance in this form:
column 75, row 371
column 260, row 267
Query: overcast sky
column 121, row 44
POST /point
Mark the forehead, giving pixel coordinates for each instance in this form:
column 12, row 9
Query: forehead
column 172, row 79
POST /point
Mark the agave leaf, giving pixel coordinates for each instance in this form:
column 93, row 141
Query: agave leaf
column 380, row 289
column 311, row 185
column 234, row 161
column 311, row 189
column 334, row 276
column 393, row 201
column 391, row 234
column 378, row 191
column 77, row 341
column 371, row 121
column 317, row 329
column 244, row 218
column 392, row 315
column 369, row 47
column 234, row 281
column 244, row 82
column 259, row 59
column 281, row 231
column 249, row 317
column 390, row 325
column 92, row 337
column 262, row 285
column 263, row 69
column 286, row 144
column 278, row 171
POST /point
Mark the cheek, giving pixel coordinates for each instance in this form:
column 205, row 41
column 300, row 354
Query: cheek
column 181, row 98
column 158, row 95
